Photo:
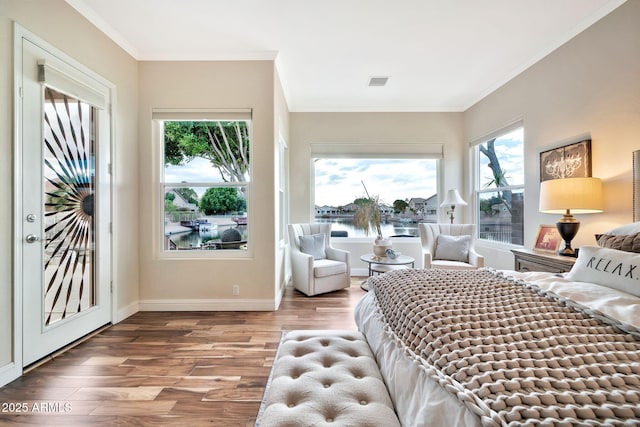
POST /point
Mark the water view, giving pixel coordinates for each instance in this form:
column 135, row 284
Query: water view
column 206, row 233
column 388, row 229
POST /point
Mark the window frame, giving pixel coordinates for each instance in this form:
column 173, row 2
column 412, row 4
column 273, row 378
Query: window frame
column 400, row 150
column 159, row 116
column 477, row 184
column 283, row 191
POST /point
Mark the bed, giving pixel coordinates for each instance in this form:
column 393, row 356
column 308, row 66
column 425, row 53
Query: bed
column 493, row 348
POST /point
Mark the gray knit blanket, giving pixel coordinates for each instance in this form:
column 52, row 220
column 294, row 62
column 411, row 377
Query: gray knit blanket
column 514, row 354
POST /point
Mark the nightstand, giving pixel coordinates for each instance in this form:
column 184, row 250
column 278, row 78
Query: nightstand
column 526, row 260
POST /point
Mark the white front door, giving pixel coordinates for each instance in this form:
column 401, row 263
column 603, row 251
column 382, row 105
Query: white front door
column 65, row 201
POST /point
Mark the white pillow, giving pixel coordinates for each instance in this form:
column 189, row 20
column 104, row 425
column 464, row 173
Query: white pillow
column 607, row 267
column 452, row 248
column 313, row 244
column 631, row 228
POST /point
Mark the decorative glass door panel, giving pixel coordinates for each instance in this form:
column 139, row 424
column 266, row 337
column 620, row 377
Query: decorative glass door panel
column 64, row 189
column 69, row 186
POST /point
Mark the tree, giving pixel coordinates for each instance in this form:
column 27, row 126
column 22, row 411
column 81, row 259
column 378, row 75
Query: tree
column 368, row 216
column 169, row 207
column 400, row 206
column 220, row 200
column 224, row 143
column 499, row 179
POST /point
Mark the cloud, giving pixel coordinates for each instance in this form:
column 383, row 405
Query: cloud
column 510, row 152
column 391, row 179
column 197, row 170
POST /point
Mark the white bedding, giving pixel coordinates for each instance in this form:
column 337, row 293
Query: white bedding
column 418, row 400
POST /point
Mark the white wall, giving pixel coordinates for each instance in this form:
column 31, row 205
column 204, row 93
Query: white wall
column 61, row 26
column 281, row 134
column 589, row 87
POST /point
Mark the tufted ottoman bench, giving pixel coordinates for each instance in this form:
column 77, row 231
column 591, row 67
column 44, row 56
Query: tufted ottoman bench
column 323, row 378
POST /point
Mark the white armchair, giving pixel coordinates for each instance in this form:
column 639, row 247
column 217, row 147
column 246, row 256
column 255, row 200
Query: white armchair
column 449, row 246
column 317, row 267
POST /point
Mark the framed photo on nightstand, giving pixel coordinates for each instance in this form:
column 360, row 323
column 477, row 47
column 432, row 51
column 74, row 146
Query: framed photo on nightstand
column 548, row 239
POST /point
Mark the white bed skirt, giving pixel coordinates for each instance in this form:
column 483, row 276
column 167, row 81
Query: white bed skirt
column 418, row 400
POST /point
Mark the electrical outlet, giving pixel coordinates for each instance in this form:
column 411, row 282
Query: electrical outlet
column 236, row 290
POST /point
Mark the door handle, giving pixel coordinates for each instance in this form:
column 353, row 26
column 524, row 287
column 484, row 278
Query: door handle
column 31, row 238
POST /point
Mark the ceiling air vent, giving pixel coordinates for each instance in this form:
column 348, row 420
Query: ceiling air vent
column 378, row 81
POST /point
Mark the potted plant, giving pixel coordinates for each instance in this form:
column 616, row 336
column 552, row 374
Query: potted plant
column 368, row 217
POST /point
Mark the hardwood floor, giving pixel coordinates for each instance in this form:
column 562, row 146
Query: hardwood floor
column 170, row 368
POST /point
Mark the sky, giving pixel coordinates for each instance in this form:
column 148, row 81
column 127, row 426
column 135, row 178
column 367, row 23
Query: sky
column 338, row 182
column 510, row 153
column 197, row 170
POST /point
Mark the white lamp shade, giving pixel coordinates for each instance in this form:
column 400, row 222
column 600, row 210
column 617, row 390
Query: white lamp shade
column 453, row 199
column 579, row 195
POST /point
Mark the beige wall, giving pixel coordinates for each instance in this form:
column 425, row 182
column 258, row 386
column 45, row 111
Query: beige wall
column 589, row 87
column 227, row 84
column 59, row 25
column 370, row 128
column 366, row 129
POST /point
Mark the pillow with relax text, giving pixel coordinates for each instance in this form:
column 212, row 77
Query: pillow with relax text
column 607, row 267
column 452, row 248
column 313, row 244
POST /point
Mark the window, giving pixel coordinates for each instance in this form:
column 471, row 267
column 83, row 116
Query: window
column 283, row 184
column 406, row 188
column 500, row 187
column 205, row 183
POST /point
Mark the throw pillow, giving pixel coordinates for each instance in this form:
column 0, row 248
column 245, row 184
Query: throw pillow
column 630, row 228
column 313, row 244
column 622, row 242
column 452, row 248
column 607, row 267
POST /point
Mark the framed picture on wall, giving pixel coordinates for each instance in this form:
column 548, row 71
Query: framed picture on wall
column 568, row 161
column 548, row 239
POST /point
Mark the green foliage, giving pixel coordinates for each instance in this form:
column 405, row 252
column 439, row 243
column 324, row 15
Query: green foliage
column 400, row 206
column 241, row 204
column 170, row 197
column 183, row 141
column 221, row 200
column 224, row 144
column 368, row 216
column 59, row 199
column 169, row 207
column 499, row 179
column 487, row 204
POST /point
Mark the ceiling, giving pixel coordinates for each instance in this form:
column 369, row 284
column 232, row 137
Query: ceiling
column 439, row 55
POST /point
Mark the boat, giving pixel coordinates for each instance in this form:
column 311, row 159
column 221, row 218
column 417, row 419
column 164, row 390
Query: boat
column 195, row 224
column 240, row 220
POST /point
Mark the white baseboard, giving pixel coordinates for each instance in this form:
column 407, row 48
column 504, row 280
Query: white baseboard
column 127, row 311
column 280, row 293
column 9, row 372
column 208, row 305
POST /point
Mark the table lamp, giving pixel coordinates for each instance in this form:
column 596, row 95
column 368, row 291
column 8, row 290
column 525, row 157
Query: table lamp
column 570, row 196
column 452, row 199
